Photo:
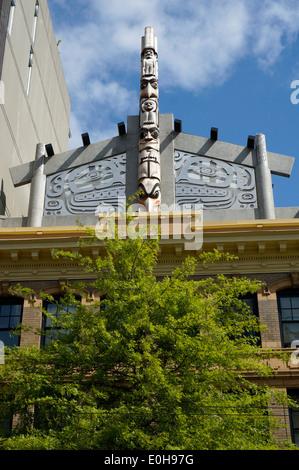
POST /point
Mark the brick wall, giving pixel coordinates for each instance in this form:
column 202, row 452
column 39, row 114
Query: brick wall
column 269, row 316
column 32, row 317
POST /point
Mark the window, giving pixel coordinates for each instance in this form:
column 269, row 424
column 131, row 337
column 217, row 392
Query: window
column 11, row 309
column 30, row 63
column 294, row 417
column 5, row 427
column 251, row 301
column 36, row 8
column 50, row 327
column 288, row 306
column 11, row 16
column 6, row 418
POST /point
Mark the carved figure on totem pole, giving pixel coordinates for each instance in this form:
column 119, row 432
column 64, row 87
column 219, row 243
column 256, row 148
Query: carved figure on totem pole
column 148, row 112
column 149, row 63
column 149, row 173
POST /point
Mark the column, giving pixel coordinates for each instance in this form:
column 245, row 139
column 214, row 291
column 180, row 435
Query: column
column 263, row 180
column 38, row 187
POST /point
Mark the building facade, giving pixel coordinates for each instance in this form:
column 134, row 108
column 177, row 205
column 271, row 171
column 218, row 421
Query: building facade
column 34, row 100
column 225, row 189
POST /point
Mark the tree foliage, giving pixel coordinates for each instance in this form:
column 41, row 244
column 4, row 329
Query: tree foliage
column 154, row 364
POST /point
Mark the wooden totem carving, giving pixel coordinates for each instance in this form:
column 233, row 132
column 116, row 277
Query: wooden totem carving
column 149, row 173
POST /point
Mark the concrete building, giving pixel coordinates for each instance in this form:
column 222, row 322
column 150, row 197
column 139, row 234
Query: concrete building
column 34, row 101
column 229, row 185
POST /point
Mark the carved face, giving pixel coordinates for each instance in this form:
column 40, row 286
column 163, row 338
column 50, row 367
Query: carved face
column 150, row 196
column 149, row 106
column 149, row 88
column 148, row 133
column 148, row 53
column 149, row 138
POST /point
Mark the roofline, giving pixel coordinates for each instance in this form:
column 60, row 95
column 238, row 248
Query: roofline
column 221, row 226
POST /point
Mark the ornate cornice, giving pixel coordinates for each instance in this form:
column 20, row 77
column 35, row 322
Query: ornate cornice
column 260, row 246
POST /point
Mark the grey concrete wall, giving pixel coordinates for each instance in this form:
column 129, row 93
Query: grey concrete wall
column 170, row 140
column 4, row 17
column 208, row 216
column 42, row 115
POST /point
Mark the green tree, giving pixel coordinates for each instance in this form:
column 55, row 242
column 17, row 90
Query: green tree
column 155, row 364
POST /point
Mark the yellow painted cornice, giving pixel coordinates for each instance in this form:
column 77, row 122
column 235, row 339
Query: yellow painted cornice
column 42, row 232
column 218, row 226
column 252, row 225
column 260, row 246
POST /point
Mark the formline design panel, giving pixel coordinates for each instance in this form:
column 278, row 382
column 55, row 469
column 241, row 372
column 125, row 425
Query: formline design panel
column 213, row 183
column 83, row 189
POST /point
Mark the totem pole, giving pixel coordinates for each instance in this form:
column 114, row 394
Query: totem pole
column 149, row 141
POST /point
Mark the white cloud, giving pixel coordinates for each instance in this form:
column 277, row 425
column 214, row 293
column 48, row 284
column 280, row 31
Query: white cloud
column 276, row 25
column 201, row 51
column 199, row 43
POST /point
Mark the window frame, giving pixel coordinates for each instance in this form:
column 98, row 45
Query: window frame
column 56, row 298
column 11, row 301
column 254, row 309
column 284, row 294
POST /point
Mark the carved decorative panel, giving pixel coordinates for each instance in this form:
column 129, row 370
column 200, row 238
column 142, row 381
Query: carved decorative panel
column 213, row 183
column 84, row 188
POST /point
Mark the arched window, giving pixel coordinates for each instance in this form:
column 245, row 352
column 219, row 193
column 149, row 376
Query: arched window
column 11, row 309
column 288, row 306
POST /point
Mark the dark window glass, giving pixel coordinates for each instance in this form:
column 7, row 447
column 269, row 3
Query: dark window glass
column 49, row 324
column 11, row 309
column 251, row 301
column 5, row 427
column 288, row 306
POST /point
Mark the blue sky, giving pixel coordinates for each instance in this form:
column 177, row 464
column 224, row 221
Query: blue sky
column 222, row 63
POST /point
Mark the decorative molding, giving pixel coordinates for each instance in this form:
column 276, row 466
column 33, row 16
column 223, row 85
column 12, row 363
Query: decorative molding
column 5, row 285
column 213, row 183
column 24, row 255
column 83, row 189
column 15, row 255
column 35, row 255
